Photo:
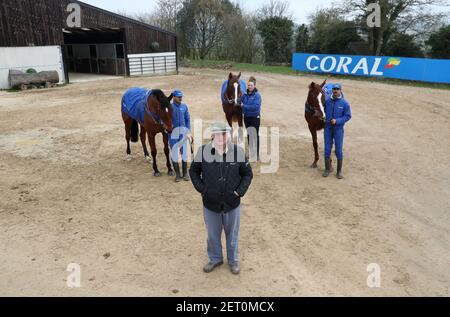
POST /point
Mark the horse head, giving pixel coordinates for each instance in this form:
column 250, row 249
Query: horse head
column 161, row 106
column 233, row 83
column 316, row 99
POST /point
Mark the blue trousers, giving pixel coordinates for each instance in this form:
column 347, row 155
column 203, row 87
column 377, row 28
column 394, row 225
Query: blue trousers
column 215, row 224
column 334, row 134
column 179, row 145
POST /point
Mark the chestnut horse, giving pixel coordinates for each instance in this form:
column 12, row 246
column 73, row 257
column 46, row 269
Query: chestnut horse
column 315, row 114
column 152, row 111
column 231, row 103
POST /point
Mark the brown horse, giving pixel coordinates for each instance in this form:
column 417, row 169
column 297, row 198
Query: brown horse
column 231, row 103
column 315, row 114
column 156, row 113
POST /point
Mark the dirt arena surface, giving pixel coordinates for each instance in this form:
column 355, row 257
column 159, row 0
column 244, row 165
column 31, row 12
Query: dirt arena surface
column 69, row 196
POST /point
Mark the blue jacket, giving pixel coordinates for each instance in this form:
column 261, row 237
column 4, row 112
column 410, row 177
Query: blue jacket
column 252, row 104
column 181, row 117
column 225, row 85
column 338, row 109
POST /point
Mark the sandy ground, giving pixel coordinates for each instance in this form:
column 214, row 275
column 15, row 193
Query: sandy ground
column 69, row 196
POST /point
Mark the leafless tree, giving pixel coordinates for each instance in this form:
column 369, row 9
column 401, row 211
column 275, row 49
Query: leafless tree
column 164, row 15
column 401, row 16
column 275, row 8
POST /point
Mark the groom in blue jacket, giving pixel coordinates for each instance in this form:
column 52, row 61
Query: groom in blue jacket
column 180, row 136
column 337, row 113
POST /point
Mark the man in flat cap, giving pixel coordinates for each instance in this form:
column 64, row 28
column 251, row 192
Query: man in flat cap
column 222, row 174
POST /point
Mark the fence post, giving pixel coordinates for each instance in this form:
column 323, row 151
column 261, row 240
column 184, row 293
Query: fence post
column 142, row 68
column 154, row 71
column 165, row 64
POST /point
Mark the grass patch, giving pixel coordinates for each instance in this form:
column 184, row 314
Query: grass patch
column 11, row 90
column 286, row 70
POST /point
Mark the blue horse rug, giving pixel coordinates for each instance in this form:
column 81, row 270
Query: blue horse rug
column 134, row 102
column 225, row 85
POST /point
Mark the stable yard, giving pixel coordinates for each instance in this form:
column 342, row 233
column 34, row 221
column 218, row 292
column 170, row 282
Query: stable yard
column 69, row 196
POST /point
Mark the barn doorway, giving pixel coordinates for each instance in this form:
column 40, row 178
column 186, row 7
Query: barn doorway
column 94, row 51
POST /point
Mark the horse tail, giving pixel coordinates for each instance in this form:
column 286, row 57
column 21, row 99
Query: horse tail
column 134, row 132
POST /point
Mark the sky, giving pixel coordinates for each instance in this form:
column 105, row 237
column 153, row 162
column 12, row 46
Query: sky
column 300, row 9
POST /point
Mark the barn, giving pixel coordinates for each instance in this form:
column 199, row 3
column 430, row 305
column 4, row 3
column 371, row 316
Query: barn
column 74, row 37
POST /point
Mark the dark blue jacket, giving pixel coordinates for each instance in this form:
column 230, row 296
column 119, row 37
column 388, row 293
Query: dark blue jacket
column 338, row 109
column 219, row 177
column 252, row 104
column 181, row 117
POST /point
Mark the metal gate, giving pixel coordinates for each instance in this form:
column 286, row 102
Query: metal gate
column 153, row 64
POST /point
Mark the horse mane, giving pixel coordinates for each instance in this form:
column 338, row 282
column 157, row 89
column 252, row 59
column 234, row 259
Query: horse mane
column 312, row 100
column 161, row 97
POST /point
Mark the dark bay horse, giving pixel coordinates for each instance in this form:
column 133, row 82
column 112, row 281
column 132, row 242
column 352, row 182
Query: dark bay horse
column 231, row 103
column 152, row 112
column 315, row 114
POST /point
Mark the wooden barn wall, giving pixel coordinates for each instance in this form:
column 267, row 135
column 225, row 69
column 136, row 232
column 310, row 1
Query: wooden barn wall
column 40, row 23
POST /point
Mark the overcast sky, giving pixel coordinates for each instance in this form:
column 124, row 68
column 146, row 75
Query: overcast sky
column 300, row 9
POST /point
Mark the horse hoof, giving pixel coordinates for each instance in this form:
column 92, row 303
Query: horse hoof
column 148, row 159
column 171, row 173
column 128, row 158
column 314, row 165
column 157, row 174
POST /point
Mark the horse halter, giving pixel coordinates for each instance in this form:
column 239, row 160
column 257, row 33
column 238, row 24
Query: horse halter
column 309, row 109
column 312, row 110
column 232, row 101
column 155, row 117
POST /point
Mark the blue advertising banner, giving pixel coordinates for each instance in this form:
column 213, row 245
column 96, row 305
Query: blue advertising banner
column 420, row 69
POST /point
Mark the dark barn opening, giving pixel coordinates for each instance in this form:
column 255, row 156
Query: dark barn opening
column 92, row 40
column 95, row 51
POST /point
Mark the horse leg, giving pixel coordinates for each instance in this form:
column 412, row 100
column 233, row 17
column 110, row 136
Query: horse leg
column 151, row 140
column 167, row 153
column 144, row 145
column 316, row 146
column 230, row 123
column 128, row 122
column 241, row 128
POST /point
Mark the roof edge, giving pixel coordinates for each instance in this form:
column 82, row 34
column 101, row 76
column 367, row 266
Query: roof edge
column 149, row 26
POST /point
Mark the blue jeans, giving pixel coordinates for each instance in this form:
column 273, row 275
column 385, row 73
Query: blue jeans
column 228, row 222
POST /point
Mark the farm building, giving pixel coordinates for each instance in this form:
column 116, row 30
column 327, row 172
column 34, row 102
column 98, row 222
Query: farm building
column 74, row 37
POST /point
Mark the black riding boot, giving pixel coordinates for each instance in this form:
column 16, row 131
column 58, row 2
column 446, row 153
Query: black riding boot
column 326, row 173
column 339, row 170
column 176, row 167
column 185, row 172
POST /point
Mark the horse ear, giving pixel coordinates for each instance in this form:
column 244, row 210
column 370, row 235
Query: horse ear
column 239, row 76
column 323, row 84
column 230, row 76
column 157, row 96
column 170, row 97
column 312, row 85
